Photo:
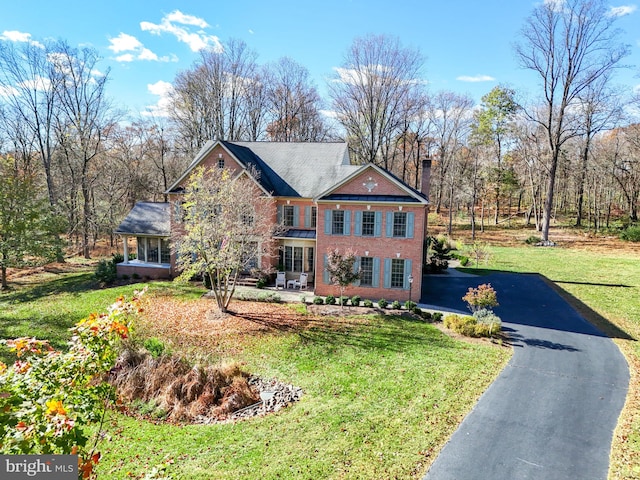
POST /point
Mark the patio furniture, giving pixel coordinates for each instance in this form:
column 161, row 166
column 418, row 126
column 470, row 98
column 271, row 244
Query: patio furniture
column 301, row 283
column 280, row 280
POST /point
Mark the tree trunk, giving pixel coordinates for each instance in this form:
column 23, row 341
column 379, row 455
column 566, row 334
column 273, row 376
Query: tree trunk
column 548, row 203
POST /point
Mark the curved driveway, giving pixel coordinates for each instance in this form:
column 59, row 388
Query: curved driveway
column 551, row 413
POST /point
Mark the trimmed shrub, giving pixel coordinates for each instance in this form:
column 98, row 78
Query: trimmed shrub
column 427, row 315
column 382, row 303
column 344, row 300
column 269, row 297
column 367, row 303
column 355, row 300
column 409, row 305
column 484, row 316
column 330, row 300
column 106, row 272
column 417, row 310
column 396, row 305
column 469, row 326
column 318, row 301
column 482, row 297
column 437, row 316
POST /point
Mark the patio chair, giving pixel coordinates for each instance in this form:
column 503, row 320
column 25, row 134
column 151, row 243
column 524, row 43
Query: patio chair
column 281, row 279
column 302, row 283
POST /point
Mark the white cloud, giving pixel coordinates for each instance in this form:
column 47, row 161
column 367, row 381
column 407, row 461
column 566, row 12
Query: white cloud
column 8, row 91
column 124, row 43
column 16, row 36
column 251, row 32
column 622, row 10
column 555, row 5
column 134, row 48
column 173, row 24
column 476, row 78
column 163, row 90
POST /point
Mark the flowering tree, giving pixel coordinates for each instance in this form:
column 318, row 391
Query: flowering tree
column 47, row 397
column 227, row 227
column 482, row 297
column 341, row 269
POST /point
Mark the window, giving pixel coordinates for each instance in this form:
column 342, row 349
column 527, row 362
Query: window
column 368, row 224
column 337, row 223
column 246, row 219
column 399, row 224
column 397, row 273
column 366, row 271
column 165, row 251
column 314, row 217
column 292, row 259
column 142, row 249
column 309, row 261
column 288, row 216
column 220, row 162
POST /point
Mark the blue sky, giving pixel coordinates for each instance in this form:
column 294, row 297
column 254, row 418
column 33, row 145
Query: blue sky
column 467, row 43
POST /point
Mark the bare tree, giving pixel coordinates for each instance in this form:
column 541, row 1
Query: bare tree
column 569, row 44
column 29, row 82
column 82, row 123
column 293, row 103
column 370, row 95
column 225, row 229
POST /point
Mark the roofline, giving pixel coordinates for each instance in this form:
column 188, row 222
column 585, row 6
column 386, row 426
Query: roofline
column 382, row 172
column 204, row 151
column 372, row 202
column 130, row 234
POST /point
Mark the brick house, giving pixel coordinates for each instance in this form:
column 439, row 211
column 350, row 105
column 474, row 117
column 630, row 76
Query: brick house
column 321, row 200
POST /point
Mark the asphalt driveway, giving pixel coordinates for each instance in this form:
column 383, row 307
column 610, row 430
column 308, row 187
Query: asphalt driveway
column 551, row 413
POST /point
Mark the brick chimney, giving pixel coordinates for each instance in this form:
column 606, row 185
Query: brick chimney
column 426, row 177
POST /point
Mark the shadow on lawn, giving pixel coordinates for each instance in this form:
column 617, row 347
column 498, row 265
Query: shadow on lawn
column 74, row 284
column 372, row 332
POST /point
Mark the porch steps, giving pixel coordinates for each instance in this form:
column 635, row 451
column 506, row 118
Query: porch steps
column 247, row 281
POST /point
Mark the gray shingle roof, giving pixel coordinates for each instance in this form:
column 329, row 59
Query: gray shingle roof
column 147, row 218
column 296, row 169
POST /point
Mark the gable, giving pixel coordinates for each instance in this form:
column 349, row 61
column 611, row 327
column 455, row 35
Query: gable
column 372, row 183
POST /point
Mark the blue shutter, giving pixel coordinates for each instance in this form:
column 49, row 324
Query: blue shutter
column 325, row 273
column 347, row 223
column 279, row 219
column 376, row 272
column 327, row 222
column 410, row 225
column 407, row 271
column 296, row 215
column 378, row 225
column 307, row 216
column 387, row 273
column 357, row 228
column 356, row 269
column 389, row 224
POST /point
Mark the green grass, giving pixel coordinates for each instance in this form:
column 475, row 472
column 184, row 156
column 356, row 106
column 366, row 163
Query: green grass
column 605, row 288
column 381, row 394
column 381, row 397
column 48, row 308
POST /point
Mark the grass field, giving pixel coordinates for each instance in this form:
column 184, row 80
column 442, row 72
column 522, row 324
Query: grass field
column 382, row 394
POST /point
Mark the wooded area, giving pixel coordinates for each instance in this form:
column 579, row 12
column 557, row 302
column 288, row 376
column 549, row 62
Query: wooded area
column 574, row 150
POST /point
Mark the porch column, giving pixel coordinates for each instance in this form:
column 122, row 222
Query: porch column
column 126, row 249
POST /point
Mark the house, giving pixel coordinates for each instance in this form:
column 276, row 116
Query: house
column 321, row 200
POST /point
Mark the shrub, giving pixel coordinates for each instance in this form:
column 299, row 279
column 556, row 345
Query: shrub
column 106, row 272
column 437, row 316
column 427, row 315
column 438, row 254
column 367, row 303
column 396, row 305
column 154, row 346
column 470, row 326
column 318, row 301
column 135, row 276
column 486, row 317
column 269, row 297
column 261, row 283
column 482, row 297
column 417, row 310
column 344, row 300
column 330, row 300
column 409, row 305
column 631, row 234
column 532, row 240
column 355, row 300
column 382, row 303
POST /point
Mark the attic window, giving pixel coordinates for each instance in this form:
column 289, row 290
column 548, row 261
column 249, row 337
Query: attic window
column 221, row 162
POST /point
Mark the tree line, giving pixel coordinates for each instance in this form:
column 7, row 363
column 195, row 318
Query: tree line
column 572, row 149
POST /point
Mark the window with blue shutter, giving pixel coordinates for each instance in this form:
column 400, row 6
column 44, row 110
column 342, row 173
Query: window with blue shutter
column 357, row 227
column 389, row 225
column 327, row 222
column 325, row 273
column 410, row 222
column 376, row 272
column 296, row 216
column 307, row 216
column 377, row 231
column 407, row 272
column 347, row 223
column 387, row 273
